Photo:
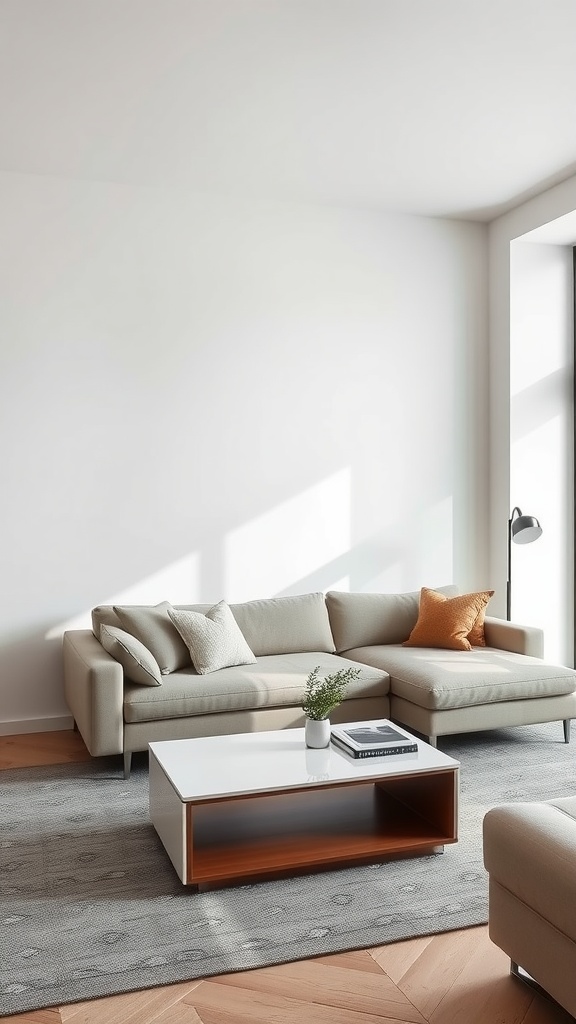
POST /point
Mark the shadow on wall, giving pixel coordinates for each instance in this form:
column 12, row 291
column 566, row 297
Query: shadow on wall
column 300, row 545
column 179, row 584
column 353, row 570
column 35, row 656
column 542, row 401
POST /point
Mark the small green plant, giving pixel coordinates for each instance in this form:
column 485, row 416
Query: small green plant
column 323, row 694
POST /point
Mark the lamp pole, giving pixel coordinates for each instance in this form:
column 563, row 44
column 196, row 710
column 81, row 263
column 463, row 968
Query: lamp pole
column 509, row 579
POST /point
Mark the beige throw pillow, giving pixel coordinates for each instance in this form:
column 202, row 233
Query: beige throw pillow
column 214, row 640
column 139, row 665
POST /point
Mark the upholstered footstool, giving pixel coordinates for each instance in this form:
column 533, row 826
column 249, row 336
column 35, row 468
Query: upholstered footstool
column 530, row 855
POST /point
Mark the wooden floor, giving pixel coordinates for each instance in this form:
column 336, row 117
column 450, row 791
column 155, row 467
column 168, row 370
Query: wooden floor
column 453, row 978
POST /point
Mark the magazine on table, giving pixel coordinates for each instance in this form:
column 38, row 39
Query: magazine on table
column 376, row 753
column 373, row 739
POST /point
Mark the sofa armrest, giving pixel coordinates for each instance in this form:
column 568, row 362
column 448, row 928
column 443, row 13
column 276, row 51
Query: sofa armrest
column 94, row 691
column 529, row 849
column 508, row 636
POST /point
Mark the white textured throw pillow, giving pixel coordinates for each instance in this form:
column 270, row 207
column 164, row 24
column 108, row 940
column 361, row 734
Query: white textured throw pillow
column 214, row 640
column 139, row 665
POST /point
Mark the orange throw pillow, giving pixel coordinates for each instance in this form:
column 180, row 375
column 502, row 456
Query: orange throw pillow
column 447, row 621
column 476, row 636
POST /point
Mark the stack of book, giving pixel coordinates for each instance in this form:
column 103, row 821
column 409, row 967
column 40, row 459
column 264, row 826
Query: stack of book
column 372, row 739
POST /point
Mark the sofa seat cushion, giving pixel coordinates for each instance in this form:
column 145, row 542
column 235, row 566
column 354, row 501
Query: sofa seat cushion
column 274, row 681
column 439, row 679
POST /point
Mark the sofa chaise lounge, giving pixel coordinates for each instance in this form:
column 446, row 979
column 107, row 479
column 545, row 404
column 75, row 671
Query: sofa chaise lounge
column 433, row 691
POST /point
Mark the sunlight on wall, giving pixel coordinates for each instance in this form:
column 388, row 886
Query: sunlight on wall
column 177, row 583
column 343, row 583
column 540, row 570
column 540, row 321
column 541, row 438
column 291, row 541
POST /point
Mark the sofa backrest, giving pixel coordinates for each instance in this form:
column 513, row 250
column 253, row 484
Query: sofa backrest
column 338, row 621
column 286, row 625
column 279, row 625
column 104, row 614
column 366, row 620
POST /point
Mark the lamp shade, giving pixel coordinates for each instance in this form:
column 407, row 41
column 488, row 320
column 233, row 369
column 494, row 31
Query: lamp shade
column 525, row 529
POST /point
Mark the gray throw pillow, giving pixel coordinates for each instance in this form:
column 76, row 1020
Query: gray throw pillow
column 139, row 665
column 152, row 626
column 214, row 640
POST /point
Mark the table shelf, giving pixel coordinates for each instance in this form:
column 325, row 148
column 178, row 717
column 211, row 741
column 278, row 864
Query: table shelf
column 250, row 837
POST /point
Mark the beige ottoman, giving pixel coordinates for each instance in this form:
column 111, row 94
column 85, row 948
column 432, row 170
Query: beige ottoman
column 530, row 855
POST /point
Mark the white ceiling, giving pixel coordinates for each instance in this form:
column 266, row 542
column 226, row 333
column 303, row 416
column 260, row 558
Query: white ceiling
column 442, row 107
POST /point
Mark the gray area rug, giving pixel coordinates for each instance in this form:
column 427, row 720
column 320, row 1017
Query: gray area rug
column 90, row 904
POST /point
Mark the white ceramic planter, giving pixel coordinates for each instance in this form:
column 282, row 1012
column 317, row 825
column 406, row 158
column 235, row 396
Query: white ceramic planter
column 317, row 734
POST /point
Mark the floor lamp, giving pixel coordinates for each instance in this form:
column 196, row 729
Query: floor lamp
column 522, row 530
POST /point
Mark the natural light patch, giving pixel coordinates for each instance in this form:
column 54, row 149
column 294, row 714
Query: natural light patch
column 539, row 313
column 81, row 621
column 291, row 541
column 540, row 570
column 177, row 583
column 342, row 584
column 541, row 433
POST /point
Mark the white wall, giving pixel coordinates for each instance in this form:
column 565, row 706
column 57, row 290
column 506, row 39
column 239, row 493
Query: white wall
column 206, row 398
column 532, row 436
column 541, row 436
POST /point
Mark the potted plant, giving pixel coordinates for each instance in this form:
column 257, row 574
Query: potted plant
column 321, row 696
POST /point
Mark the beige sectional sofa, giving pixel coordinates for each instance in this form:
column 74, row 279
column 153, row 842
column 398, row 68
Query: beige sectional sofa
column 432, row 691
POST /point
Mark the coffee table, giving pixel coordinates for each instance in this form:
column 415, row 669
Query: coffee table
column 241, row 807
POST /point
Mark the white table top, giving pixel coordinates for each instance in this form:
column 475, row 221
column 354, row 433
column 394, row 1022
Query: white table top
column 264, row 762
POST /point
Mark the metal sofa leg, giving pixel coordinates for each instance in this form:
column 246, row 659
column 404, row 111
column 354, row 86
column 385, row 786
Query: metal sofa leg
column 433, row 741
column 127, row 764
column 567, row 722
column 518, row 972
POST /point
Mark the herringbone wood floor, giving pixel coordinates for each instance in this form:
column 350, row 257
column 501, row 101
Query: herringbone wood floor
column 453, row 978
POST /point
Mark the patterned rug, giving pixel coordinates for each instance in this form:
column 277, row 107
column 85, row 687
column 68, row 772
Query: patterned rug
column 90, row 905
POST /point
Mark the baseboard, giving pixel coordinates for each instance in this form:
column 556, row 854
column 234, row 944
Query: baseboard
column 36, row 725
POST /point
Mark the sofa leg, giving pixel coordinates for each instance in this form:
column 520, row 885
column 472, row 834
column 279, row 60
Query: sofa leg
column 433, row 741
column 518, row 972
column 567, row 722
column 127, row 764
